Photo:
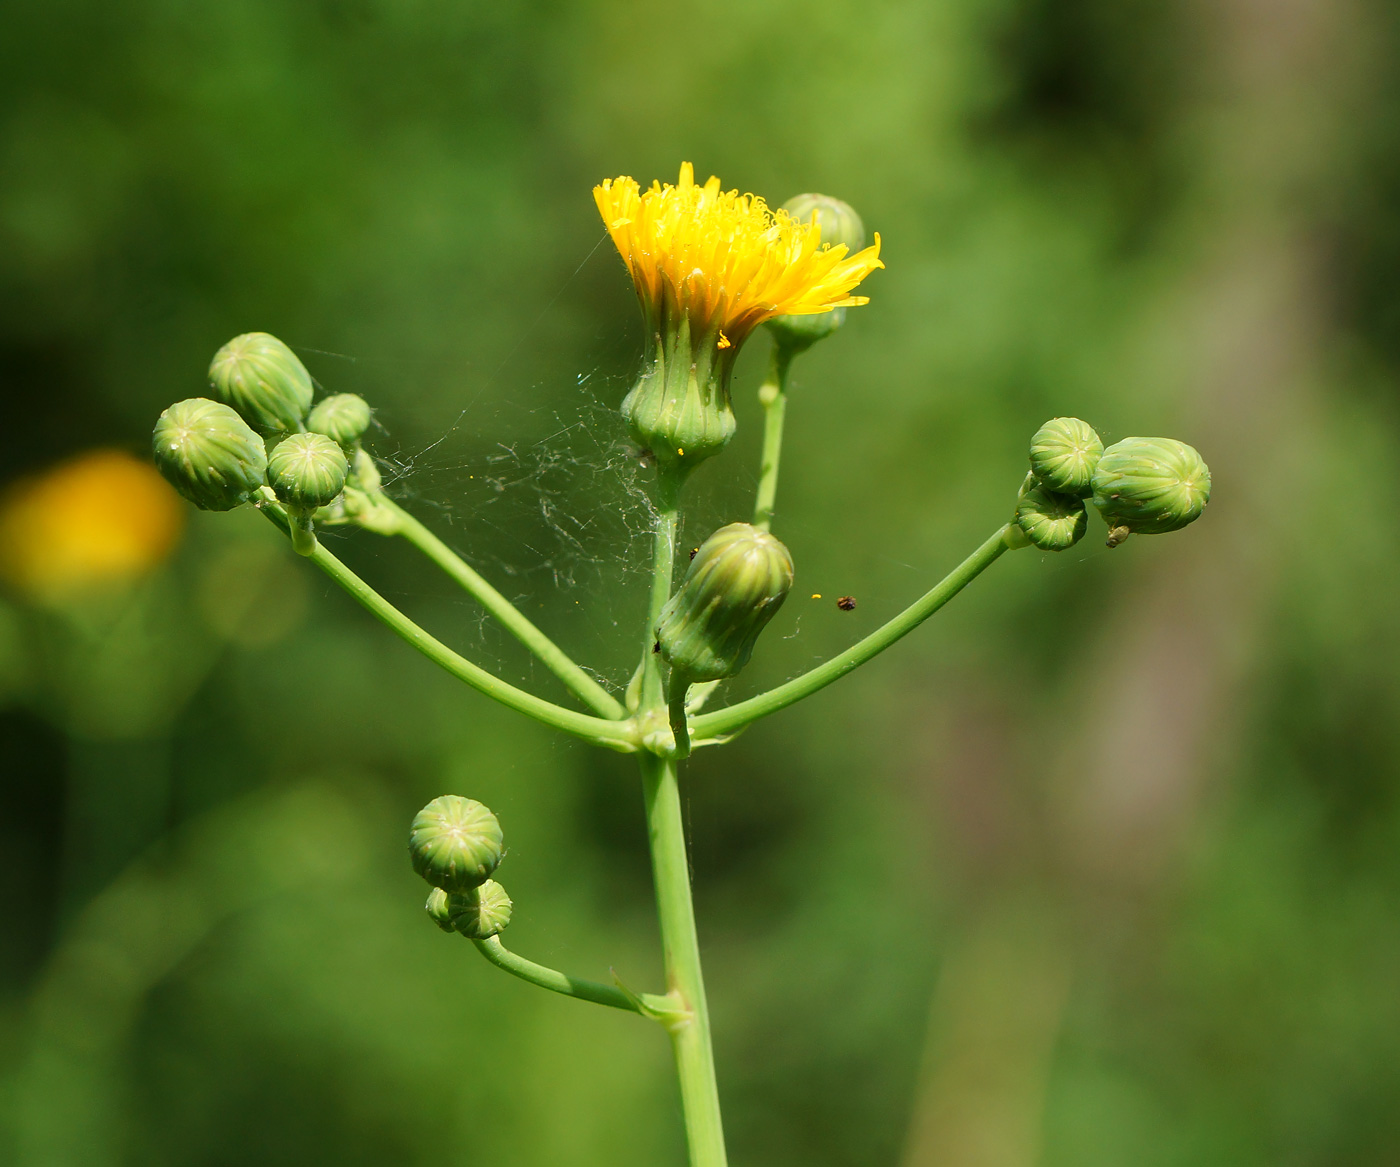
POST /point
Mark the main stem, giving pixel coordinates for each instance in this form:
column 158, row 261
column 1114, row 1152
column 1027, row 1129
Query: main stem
column 690, row 1034
column 690, row 1029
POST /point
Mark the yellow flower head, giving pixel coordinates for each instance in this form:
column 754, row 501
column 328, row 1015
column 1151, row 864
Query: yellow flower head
column 97, row 521
column 723, row 260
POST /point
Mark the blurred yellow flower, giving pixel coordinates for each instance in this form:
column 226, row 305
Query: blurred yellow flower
column 99, row 519
column 723, row 260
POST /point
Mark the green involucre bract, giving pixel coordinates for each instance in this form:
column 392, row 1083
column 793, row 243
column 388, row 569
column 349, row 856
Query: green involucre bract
column 480, row 913
column 208, row 453
column 1051, row 521
column 1064, row 453
column 737, row 581
column 455, row 843
column 263, row 379
column 307, row 470
column 1150, row 486
column 343, row 417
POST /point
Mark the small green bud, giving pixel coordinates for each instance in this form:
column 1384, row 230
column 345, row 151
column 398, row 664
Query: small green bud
column 263, row 379
column 480, row 913
column 438, row 909
column 838, row 220
column 208, row 453
column 307, row 470
column 1051, row 521
column 737, row 581
column 1150, row 486
column 343, row 418
column 1064, row 453
column 839, row 225
column 455, row 843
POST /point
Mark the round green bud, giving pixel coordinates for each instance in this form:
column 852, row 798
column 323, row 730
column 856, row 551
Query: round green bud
column 263, row 379
column 438, row 909
column 1149, row 486
column 1051, row 521
column 839, row 222
column 1064, row 453
column 736, row 582
column 343, row 417
column 455, row 843
column 480, row 913
column 307, row 470
column 839, row 225
column 209, row 454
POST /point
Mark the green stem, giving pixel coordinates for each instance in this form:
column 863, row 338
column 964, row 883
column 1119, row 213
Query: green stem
column 557, row 982
column 663, row 559
column 735, row 717
column 550, row 654
column 690, row 1029
column 615, row 735
column 679, row 687
column 773, row 396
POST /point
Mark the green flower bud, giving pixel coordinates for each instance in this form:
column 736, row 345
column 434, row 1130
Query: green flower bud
column 263, row 379
column 343, row 418
column 1051, row 521
column 208, row 453
column 307, row 470
column 737, row 580
column 1064, row 453
column 1149, row 486
column 840, row 225
column 839, row 222
column 438, row 909
column 480, row 913
column 455, row 843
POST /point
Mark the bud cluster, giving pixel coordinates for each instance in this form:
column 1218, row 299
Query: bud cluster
column 455, row 844
column 216, row 453
column 1146, row 486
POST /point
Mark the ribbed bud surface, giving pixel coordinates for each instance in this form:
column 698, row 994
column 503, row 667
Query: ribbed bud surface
column 208, row 453
column 480, row 913
column 1064, row 453
column 737, row 581
column 679, row 408
column 263, row 379
column 455, row 843
column 307, row 470
column 1150, row 486
column 1052, row 522
column 342, row 418
column 438, row 909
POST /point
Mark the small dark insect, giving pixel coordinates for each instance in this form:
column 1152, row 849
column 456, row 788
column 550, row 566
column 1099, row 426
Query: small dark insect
column 847, row 603
column 656, row 647
column 693, row 550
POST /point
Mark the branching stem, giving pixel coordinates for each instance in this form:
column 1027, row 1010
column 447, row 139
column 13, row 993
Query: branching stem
column 511, row 618
column 557, row 982
column 614, row 735
column 773, row 396
column 735, row 717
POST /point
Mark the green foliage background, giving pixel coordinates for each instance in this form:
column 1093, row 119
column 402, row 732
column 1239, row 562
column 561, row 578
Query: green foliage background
column 1100, row 867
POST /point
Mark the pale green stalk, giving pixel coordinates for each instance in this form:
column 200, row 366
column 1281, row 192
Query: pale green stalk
column 773, row 396
column 735, row 717
column 689, row 1028
column 557, row 982
column 512, row 619
column 615, row 735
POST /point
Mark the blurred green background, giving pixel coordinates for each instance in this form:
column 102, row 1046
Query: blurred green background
column 1101, row 867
